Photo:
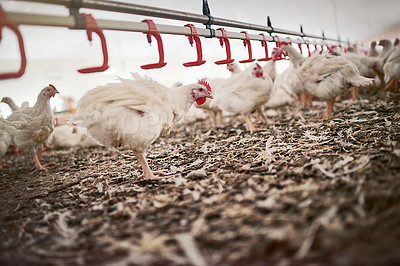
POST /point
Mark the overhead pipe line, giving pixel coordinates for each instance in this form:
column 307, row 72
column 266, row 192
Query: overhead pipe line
column 134, row 9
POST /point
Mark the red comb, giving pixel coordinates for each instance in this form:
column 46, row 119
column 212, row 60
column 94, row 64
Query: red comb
column 53, row 87
column 205, row 84
column 258, row 65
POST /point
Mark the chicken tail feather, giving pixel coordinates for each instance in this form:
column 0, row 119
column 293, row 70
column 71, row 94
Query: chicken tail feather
column 360, row 81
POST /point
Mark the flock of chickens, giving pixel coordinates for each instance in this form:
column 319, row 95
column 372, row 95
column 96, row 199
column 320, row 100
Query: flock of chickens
column 135, row 112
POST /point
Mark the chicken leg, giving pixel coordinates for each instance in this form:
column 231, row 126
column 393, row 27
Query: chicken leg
column 217, row 117
column 42, row 148
column 40, row 152
column 261, row 116
column 38, row 166
column 355, row 92
column 249, row 123
column 388, row 86
column 308, row 99
column 147, row 172
column 329, row 109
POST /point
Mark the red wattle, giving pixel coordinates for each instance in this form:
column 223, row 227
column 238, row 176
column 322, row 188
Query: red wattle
column 200, row 101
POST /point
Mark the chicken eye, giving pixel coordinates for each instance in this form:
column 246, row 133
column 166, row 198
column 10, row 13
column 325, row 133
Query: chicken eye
column 201, row 89
column 48, row 89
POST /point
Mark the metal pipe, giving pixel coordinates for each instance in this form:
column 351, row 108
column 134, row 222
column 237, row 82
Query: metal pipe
column 69, row 22
column 135, row 9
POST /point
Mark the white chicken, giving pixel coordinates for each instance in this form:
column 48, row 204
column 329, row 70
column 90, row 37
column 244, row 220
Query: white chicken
column 391, row 69
column 270, row 69
column 365, row 64
column 207, row 105
column 372, row 50
column 387, row 47
column 290, row 82
column 7, row 132
column 13, row 106
column 368, row 67
column 233, row 68
column 68, row 135
column 244, row 93
column 24, row 105
column 215, row 84
column 325, row 76
column 36, row 124
column 134, row 113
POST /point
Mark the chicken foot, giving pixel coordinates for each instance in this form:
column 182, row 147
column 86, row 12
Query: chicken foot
column 38, row 166
column 2, row 165
column 147, row 172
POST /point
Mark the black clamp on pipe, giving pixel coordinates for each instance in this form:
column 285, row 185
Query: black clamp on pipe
column 207, row 12
column 302, row 32
column 269, row 24
column 80, row 21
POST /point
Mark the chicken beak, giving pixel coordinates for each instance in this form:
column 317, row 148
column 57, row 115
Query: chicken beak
column 209, row 95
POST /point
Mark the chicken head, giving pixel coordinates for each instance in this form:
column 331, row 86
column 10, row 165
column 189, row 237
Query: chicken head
column 201, row 93
column 233, row 67
column 257, row 71
column 385, row 43
column 49, row 91
column 277, row 54
column 6, row 100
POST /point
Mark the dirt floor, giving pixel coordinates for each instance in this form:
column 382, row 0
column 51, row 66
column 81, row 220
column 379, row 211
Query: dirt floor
column 298, row 192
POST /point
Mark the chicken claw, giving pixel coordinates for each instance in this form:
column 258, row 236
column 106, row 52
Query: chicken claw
column 41, row 167
column 157, row 175
column 3, row 165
